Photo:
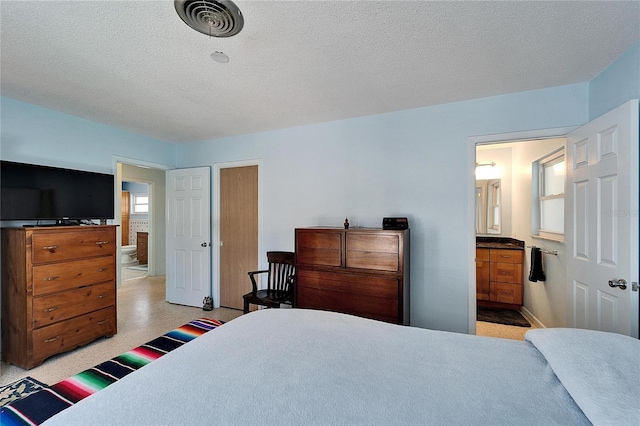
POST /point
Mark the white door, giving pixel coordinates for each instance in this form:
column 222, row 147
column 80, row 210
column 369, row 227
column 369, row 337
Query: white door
column 188, row 236
column 601, row 222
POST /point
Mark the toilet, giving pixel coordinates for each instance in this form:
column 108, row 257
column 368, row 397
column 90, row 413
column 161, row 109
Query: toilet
column 128, row 255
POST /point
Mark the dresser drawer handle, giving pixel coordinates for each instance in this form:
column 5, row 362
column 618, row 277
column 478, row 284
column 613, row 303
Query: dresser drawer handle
column 53, row 308
column 53, row 339
column 103, row 269
column 102, row 296
column 50, row 248
column 99, row 243
column 52, row 278
column 103, row 321
column 504, row 272
column 505, row 256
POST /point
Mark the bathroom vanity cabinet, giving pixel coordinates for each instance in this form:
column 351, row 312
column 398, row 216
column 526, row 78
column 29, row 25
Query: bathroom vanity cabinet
column 499, row 276
column 58, row 290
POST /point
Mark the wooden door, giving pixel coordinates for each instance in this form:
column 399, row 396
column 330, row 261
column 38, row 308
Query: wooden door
column 238, row 232
column 601, row 222
column 188, row 279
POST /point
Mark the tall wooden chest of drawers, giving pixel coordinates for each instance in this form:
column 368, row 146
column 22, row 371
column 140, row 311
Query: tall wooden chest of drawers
column 58, row 290
column 363, row 272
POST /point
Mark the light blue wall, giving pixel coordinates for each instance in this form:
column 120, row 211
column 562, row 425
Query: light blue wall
column 616, row 84
column 413, row 163
column 32, row 134
column 136, row 188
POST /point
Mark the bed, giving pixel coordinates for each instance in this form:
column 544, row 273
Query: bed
column 294, row 366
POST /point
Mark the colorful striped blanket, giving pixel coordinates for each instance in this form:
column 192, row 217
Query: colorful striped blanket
column 35, row 408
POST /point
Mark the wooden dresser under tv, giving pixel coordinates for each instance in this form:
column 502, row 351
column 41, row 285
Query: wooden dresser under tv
column 58, row 290
column 363, row 272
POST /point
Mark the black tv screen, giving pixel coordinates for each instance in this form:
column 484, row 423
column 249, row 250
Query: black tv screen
column 32, row 192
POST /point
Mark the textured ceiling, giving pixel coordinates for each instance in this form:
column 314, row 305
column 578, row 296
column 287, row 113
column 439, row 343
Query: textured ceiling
column 137, row 66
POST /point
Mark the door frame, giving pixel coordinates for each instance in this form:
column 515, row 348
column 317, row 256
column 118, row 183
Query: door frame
column 216, row 218
column 117, row 163
column 529, row 135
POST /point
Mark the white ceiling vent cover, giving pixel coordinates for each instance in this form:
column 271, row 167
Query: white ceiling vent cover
column 216, row 18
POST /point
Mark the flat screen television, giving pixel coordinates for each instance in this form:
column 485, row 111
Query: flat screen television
column 32, row 192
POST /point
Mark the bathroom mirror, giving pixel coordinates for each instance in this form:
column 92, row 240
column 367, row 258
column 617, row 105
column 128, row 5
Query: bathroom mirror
column 488, row 212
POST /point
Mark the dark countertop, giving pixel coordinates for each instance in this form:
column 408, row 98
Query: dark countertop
column 499, row 243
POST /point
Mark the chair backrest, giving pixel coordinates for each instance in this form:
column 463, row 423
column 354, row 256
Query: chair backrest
column 281, row 268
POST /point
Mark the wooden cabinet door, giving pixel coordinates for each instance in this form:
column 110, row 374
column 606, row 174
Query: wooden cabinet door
column 482, row 274
column 315, row 248
column 125, row 214
column 142, row 247
column 373, row 251
column 366, row 296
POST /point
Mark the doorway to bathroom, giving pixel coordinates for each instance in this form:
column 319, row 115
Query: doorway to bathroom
column 589, row 253
column 505, row 168
column 135, row 211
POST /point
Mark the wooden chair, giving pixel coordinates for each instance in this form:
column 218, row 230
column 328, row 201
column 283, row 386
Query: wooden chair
column 279, row 282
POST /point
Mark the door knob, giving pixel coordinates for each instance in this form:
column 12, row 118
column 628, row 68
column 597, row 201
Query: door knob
column 621, row 283
column 203, row 245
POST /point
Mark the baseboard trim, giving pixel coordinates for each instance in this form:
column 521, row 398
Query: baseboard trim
column 531, row 318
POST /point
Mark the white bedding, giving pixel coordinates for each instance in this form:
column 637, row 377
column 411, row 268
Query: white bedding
column 291, row 366
column 601, row 371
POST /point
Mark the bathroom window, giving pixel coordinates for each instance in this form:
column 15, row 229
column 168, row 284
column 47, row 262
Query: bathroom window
column 141, row 204
column 548, row 190
column 494, row 206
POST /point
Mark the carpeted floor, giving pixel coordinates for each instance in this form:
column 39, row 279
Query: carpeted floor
column 502, row 316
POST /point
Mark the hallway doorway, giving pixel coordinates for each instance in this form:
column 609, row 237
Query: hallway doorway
column 152, row 176
column 136, row 209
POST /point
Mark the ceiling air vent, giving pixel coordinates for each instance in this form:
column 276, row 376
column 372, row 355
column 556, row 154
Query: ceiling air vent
column 216, row 18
